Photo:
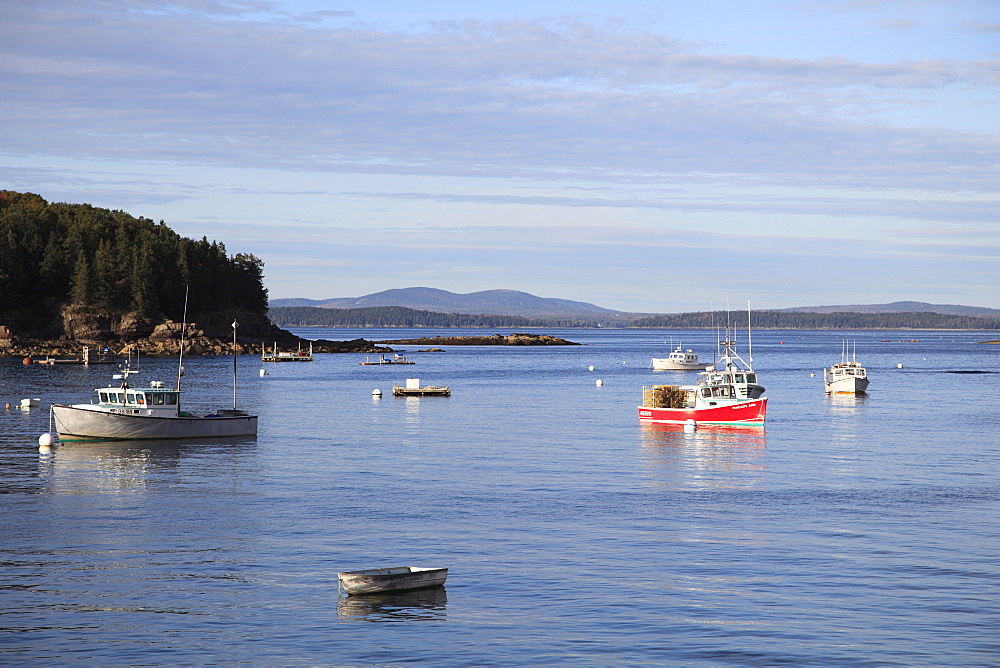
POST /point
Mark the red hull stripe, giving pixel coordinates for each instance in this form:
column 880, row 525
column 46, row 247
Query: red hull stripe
column 748, row 412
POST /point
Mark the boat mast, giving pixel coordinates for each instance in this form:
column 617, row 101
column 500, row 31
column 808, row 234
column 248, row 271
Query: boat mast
column 180, row 355
column 749, row 339
column 235, row 325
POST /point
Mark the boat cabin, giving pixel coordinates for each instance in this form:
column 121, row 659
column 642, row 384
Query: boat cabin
column 152, row 400
column 846, row 370
column 729, row 385
column 689, row 357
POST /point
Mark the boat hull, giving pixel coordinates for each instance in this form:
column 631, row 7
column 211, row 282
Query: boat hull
column 665, row 364
column 744, row 412
column 848, row 385
column 400, row 578
column 81, row 424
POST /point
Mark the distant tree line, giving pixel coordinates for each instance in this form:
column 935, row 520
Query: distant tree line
column 55, row 254
column 795, row 320
column 399, row 316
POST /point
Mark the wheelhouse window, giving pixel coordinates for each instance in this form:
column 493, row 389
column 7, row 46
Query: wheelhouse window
column 751, row 378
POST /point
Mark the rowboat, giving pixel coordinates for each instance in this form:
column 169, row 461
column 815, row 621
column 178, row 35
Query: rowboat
column 398, row 578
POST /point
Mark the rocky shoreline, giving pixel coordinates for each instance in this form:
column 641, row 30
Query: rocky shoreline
column 166, row 341
column 37, row 350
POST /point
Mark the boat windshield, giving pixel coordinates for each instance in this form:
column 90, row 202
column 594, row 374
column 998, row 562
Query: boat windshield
column 161, row 398
column 111, row 397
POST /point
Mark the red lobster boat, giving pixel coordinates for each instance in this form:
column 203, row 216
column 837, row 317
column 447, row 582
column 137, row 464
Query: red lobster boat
column 726, row 393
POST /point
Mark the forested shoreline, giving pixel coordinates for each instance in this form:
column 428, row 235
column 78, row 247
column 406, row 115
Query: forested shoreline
column 398, row 316
column 111, row 262
column 74, row 275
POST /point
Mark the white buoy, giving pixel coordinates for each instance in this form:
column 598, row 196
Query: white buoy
column 600, row 382
column 44, row 441
column 899, row 366
column 376, row 392
column 263, row 372
column 690, row 425
column 590, row 368
column 812, row 375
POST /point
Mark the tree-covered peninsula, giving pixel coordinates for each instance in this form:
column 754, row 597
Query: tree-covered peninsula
column 73, row 274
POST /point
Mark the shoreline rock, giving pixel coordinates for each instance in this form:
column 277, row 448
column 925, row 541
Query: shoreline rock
column 194, row 346
column 517, row 339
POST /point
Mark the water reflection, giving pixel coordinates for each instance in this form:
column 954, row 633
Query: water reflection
column 101, row 466
column 411, row 410
column 712, row 456
column 847, row 400
column 418, row 605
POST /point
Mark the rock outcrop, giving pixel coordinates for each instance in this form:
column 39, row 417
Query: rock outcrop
column 493, row 340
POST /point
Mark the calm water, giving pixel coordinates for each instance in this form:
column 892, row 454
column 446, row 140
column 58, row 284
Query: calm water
column 849, row 531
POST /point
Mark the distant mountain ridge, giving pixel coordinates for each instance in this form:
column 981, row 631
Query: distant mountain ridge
column 516, row 303
column 900, row 307
column 487, row 302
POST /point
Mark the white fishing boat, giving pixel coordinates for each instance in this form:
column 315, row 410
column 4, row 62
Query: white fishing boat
column 678, row 360
column 124, row 412
column 846, row 377
column 398, row 578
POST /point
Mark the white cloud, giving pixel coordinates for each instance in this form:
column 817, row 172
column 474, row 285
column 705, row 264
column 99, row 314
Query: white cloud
column 244, row 116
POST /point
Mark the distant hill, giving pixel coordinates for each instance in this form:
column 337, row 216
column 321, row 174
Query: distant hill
column 900, row 307
column 487, row 302
column 515, row 303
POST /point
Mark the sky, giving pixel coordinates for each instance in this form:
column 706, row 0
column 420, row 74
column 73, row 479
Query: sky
column 652, row 157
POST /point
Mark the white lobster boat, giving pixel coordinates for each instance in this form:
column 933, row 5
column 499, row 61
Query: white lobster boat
column 678, row 360
column 846, row 377
column 126, row 413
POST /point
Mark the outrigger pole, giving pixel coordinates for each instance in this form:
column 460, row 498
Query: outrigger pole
column 235, row 325
column 180, row 356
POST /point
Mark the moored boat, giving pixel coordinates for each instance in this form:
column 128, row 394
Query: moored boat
column 726, row 392
column 298, row 356
column 398, row 578
column 103, row 357
column 413, row 389
column 382, row 360
column 678, row 360
column 125, row 413
column 846, row 377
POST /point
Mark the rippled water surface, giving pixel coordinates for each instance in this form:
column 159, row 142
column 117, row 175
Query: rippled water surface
column 849, row 530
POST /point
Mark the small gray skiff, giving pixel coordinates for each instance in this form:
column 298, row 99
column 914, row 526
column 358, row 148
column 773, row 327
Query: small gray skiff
column 398, row 578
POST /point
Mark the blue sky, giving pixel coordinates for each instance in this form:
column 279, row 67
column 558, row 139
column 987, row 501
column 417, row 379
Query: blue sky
column 653, row 157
